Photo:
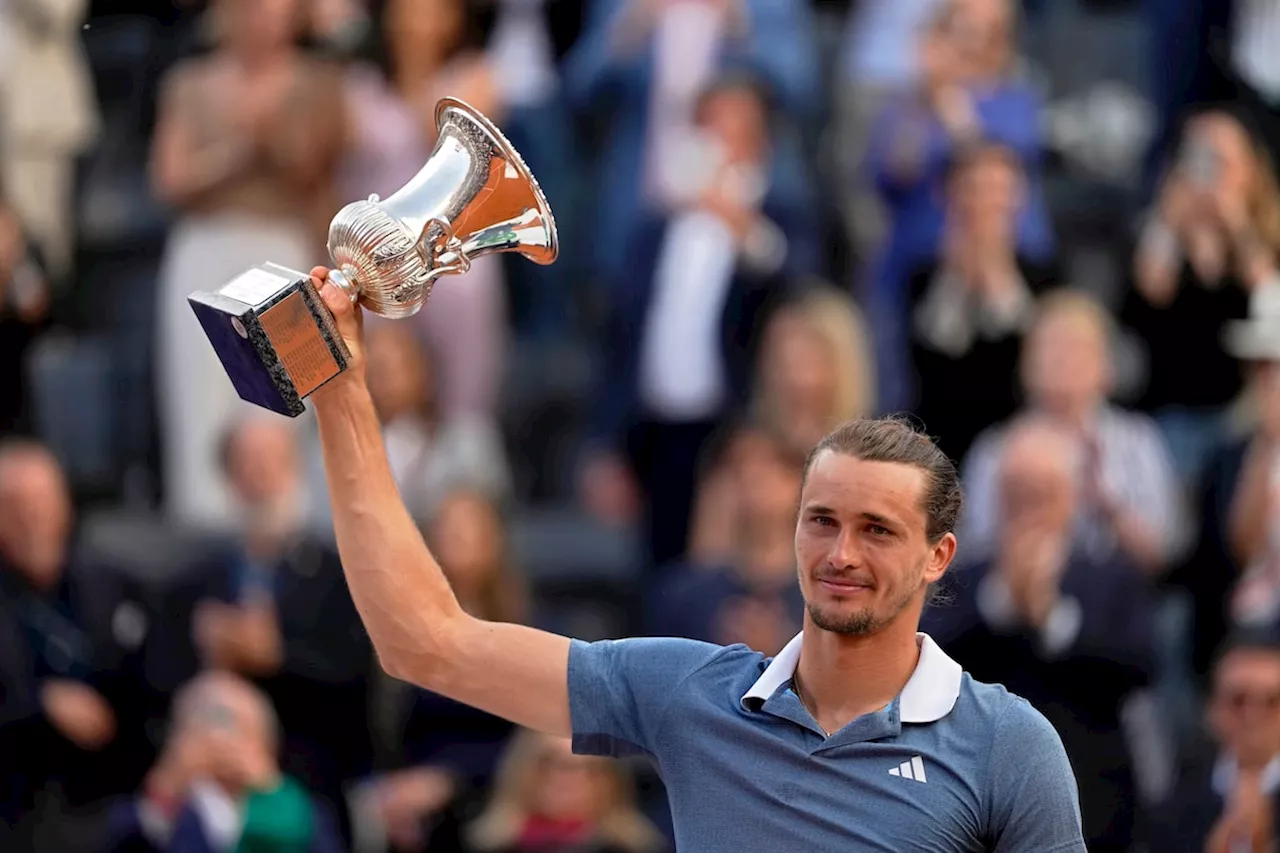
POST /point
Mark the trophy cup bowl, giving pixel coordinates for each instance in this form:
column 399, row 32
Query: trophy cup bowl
column 474, row 196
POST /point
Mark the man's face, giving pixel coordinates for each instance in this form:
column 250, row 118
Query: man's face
column 862, row 551
column 988, row 192
column 1244, row 710
column 261, row 25
column 263, row 463
column 234, row 738
column 980, row 32
column 797, row 365
column 736, row 119
column 1037, row 486
column 1066, row 364
column 400, row 378
column 769, row 487
column 35, row 517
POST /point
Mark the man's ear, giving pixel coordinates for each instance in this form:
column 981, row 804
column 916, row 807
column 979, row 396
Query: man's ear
column 944, row 551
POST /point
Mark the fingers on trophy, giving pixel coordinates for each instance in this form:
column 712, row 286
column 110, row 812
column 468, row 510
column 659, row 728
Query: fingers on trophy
column 474, row 196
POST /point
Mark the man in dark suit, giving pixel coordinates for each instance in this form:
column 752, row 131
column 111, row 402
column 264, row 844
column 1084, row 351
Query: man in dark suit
column 68, row 732
column 1067, row 632
column 752, row 597
column 680, row 353
column 219, row 783
column 275, row 609
column 1227, row 791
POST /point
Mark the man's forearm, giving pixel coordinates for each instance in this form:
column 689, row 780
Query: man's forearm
column 402, row 595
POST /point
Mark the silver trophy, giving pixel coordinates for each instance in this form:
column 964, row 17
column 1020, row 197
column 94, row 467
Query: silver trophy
column 475, row 196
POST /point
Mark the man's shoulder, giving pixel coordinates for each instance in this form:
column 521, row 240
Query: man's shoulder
column 671, row 664
column 621, row 692
column 984, row 700
column 999, row 713
column 692, row 656
column 1014, row 730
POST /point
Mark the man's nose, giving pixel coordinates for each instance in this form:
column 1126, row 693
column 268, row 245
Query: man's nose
column 846, row 553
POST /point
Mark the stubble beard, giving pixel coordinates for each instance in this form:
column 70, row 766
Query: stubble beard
column 863, row 622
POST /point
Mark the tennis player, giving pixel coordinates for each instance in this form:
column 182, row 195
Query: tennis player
column 861, row 735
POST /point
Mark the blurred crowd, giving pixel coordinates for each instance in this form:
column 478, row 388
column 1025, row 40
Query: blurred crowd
column 1047, row 229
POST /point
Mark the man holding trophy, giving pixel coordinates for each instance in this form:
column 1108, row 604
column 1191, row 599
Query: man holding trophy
column 860, row 734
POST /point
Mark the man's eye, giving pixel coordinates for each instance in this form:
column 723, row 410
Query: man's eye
column 823, row 520
column 879, row 530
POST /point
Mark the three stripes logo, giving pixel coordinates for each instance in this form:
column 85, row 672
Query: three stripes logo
column 913, row 769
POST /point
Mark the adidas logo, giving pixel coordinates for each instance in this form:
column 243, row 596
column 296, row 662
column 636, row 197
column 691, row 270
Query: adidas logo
column 913, row 769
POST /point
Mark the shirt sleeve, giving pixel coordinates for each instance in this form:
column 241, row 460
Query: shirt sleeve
column 620, row 690
column 1035, row 804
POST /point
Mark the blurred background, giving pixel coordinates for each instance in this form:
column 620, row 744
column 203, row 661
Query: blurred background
column 1048, row 229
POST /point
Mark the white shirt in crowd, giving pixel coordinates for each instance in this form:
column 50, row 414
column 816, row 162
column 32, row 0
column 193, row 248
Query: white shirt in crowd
column 682, row 372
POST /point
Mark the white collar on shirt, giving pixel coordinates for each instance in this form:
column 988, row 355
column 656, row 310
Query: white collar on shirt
column 1225, row 770
column 221, row 817
column 929, row 695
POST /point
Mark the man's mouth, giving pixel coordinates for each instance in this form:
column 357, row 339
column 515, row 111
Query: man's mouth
column 846, row 586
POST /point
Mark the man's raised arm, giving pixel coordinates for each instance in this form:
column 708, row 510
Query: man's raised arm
column 419, row 630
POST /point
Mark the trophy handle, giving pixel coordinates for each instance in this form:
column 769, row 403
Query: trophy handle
column 441, row 249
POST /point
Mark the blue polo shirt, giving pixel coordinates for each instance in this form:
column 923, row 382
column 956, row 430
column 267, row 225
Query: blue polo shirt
column 950, row 765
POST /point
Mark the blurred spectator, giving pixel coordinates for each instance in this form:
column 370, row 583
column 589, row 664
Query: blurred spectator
column 751, row 595
column 245, row 147
column 431, row 452
column 877, row 67
column 814, row 372
column 60, row 729
column 1225, row 796
column 339, row 28
column 277, row 610
column 968, row 309
column 428, row 49
column 1212, row 238
column 48, row 118
column 1069, row 633
column 1132, row 501
column 143, row 822
column 643, row 64
column 54, row 712
column 218, row 785
column 968, row 93
column 469, row 539
column 548, row 800
column 728, row 465
column 24, row 304
column 451, row 749
column 687, row 323
column 1215, row 51
column 529, row 41
column 1237, row 536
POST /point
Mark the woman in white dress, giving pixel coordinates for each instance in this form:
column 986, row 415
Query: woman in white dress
column 245, row 151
